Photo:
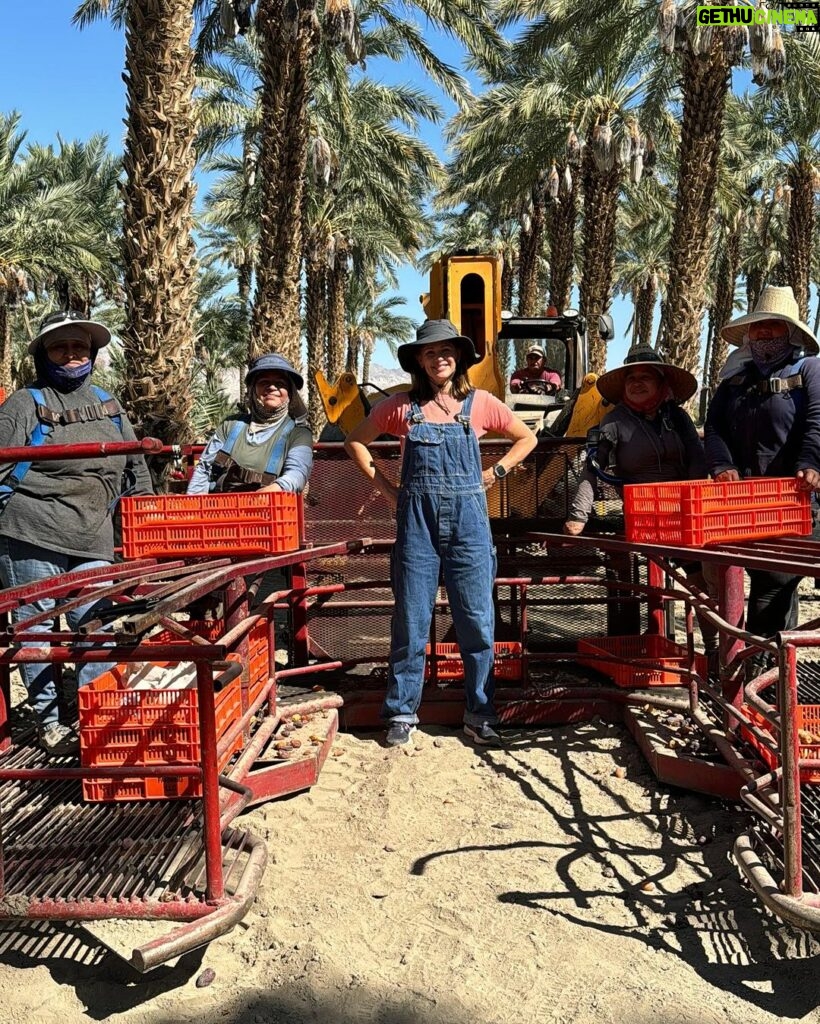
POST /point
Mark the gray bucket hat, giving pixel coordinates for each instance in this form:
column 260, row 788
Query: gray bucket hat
column 98, row 334
column 273, row 361
column 429, row 333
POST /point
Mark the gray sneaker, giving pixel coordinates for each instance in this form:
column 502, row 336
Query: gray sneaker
column 399, row 733
column 483, row 735
column 59, row 739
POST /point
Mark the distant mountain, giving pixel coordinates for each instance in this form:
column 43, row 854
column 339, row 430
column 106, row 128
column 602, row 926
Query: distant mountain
column 387, row 376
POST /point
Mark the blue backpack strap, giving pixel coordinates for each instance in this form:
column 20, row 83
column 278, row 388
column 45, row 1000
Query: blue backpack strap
column 233, row 436
column 105, row 397
column 38, row 437
column 277, row 456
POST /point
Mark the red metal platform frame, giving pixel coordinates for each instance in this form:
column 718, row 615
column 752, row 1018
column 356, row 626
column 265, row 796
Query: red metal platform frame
column 150, row 593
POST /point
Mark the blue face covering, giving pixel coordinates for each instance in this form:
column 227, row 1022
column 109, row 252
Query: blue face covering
column 67, row 378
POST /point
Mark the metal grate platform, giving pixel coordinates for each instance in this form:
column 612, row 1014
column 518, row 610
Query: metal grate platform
column 56, row 847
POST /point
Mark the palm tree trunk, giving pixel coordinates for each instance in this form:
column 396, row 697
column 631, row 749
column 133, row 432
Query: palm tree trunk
column 645, row 310
column 800, row 233
column 507, row 281
column 503, row 345
column 754, row 286
column 244, row 276
column 531, row 241
column 705, row 82
column 723, row 307
column 158, row 198
column 562, row 245
column 336, row 319
column 352, row 360
column 316, row 329
column 287, row 58
column 367, row 355
column 531, row 245
column 5, row 345
column 600, row 206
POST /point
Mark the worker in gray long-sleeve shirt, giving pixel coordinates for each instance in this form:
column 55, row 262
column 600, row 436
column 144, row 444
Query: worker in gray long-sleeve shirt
column 646, row 438
column 56, row 516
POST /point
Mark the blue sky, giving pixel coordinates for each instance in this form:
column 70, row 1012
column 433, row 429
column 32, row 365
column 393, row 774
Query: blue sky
column 68, row 82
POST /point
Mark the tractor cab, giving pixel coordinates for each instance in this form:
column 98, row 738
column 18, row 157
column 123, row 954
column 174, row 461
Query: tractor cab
column 563, row 340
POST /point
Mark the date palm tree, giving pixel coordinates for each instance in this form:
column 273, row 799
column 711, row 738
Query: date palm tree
column 53, row 240
column 641, row 268
column 158, row 195
column 789, row 112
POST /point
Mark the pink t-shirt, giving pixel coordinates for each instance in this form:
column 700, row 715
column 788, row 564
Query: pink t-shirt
column 487, row 414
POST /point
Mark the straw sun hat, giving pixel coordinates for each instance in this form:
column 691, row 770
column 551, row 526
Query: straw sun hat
column 682, row 383
column 774, row 304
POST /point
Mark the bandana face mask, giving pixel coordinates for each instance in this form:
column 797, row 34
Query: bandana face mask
column 768, row 352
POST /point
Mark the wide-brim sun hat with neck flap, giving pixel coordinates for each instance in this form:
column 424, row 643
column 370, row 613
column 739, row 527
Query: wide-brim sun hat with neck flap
column 65, row 321
column 273, row 362
column 682, row 383
column 431, row 332
column 775, row 303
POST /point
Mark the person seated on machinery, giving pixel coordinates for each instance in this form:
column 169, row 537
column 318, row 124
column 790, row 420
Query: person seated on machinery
column 536, row 378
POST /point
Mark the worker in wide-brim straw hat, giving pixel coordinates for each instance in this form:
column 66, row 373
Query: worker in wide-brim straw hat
column 647, row 438
column 764, row 420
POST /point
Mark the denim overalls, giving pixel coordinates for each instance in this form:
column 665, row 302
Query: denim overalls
column 442, row 522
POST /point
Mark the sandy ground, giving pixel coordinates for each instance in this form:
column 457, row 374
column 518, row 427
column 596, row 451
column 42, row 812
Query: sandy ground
column 448, row 884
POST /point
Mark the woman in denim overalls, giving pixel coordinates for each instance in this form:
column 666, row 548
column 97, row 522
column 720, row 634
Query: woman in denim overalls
column 441, row 520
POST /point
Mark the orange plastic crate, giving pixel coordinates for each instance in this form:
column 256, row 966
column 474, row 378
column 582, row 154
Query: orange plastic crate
column 508, row 661
column 697, row 513
column 142, row 788
column 808, row 718
column 637, row 649
column 122, row 727
column 171, row 525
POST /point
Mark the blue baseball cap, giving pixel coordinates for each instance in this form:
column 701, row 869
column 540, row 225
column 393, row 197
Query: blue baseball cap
column 273, row 361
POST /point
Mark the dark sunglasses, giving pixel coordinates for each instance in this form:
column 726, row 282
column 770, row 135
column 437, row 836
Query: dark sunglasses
column 63, row 316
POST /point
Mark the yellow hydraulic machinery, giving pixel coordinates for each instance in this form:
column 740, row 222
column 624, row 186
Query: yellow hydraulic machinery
column 466, row 289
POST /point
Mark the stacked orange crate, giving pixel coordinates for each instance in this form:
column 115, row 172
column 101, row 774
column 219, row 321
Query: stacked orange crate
column 807, row 722
column 449, row 665
column 697, row 513
column 122, row 727
column 636, row 650
column 170, row 525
